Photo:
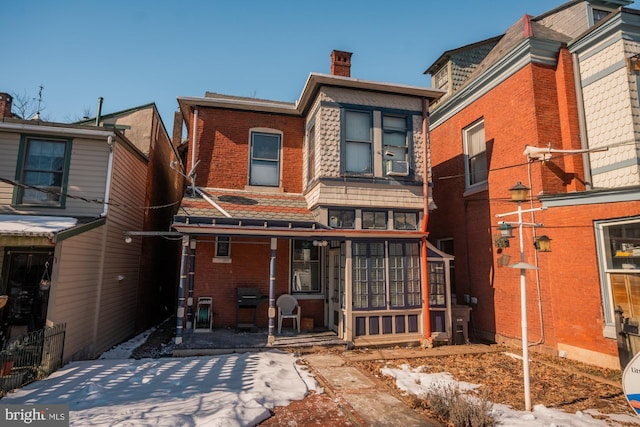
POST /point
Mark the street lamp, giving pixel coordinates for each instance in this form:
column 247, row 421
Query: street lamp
column 519, row 194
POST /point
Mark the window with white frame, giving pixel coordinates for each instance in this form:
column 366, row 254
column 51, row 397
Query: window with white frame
column 395, row 144
column 305, row 267
column 264, row 166
column 372, row 289
column 619, row 255
column 358, row 158
column 43, row 171
column 475, row 150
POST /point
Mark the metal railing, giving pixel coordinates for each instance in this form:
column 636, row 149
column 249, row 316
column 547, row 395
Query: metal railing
column 30, row 357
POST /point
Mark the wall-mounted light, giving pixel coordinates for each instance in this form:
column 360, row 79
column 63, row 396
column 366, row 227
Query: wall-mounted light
column 320, row 243
column 543, row 244
column 127, row 239
column 121, row 277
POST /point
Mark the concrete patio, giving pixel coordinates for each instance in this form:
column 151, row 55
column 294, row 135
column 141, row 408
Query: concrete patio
column 222, row 341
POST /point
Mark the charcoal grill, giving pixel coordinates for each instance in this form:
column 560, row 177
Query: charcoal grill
column 248, row 299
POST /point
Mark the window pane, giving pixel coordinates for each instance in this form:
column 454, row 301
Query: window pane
column 341, row 218
column 475, row 149
column 405, row 220
column 372, row 219
column 43, row 168
column 222, row 246
column 395, row 131
column 358, row 126
column 305, row 267
column 358, row 157
column 311, row 167
column 377, row 275
column 265, row 159
column 266, row 146
column 436, row 284
column 264, row 173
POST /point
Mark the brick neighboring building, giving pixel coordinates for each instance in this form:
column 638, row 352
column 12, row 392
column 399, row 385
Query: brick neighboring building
column 565, row 84
column 322, row 199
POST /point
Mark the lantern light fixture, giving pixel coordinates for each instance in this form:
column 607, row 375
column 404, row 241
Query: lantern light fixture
column 543, row 243
column 519, row 192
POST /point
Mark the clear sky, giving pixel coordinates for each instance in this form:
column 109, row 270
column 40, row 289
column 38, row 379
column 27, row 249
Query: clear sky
column 134, row 52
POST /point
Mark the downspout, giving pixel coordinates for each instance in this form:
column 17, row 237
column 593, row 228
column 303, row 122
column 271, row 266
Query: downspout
column 426, row 340
column 584, row 142
column 193, row 152
column 192, row 272
column 183, row 282
column 107, row 190
column 271, row 338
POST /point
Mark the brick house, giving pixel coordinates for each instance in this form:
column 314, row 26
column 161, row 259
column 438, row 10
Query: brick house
column 323, row 199
column 552, row 103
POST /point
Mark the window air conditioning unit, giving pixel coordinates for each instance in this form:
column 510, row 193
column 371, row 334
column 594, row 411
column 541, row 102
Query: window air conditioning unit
column 397, row 168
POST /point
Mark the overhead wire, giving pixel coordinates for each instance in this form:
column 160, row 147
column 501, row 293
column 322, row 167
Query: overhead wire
column 84, row 199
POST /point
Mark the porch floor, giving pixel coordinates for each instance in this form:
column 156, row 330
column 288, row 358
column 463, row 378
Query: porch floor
column 221, row 341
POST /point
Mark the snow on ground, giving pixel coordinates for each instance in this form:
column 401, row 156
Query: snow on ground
column 226, row 390
column 418, row 383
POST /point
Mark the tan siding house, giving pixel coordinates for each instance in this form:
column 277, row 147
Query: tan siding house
column 68, row 195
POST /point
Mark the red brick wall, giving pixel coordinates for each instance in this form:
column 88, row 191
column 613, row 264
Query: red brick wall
column 535, row 106
column 223, row 147
column 220, row 280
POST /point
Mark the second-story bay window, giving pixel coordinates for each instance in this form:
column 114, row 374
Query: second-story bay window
column 358, row 143
column 264, row 168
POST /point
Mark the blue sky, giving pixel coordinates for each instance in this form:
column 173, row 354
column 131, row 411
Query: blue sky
column 134, row 52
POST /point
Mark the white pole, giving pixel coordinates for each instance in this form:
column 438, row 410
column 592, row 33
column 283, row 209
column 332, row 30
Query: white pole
column 523, row 309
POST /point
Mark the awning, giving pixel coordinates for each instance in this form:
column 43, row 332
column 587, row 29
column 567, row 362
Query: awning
column 42, row 229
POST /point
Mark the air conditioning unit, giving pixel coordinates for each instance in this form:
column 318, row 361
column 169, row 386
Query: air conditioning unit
column 397, row 168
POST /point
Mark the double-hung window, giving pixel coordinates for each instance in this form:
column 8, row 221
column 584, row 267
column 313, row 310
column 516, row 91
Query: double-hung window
column 475, row 150
column 265, row 159
column 43, row 173
column 395, row 144
column 372, row 289
column 358, row 152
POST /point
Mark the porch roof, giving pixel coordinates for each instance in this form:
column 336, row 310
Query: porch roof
column 34, row 226
column 216, row 202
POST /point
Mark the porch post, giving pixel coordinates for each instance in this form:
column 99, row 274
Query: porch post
column 192, row 272
column 183, row 281
column 272, row 292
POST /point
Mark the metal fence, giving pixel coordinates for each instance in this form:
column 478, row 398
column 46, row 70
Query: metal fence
column 30, row 357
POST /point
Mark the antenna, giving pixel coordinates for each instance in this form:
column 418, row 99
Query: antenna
column 39, row 100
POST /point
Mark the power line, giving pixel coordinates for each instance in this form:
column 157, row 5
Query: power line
column 556, row 154
column 84, row 199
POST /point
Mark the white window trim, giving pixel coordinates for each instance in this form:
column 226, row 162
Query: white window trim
column 269, row 131
column 481, row 185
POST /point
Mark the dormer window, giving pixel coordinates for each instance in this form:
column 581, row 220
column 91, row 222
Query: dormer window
column 441, row 79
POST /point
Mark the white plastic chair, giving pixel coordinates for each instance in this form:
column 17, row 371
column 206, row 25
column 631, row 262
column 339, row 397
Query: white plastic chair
column 288, row 308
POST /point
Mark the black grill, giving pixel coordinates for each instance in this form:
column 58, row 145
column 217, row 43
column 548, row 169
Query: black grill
column 248, row 299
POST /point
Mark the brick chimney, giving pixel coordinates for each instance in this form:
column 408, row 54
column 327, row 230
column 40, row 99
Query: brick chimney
column 5, row 105
column 341, row 63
